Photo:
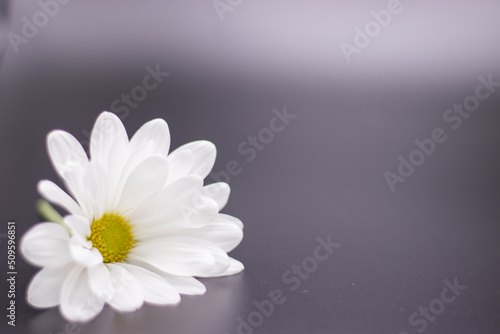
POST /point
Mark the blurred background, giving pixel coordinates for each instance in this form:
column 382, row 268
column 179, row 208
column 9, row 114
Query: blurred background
column 359, row 92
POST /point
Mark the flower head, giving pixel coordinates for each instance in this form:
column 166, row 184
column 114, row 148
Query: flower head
column 140, row 224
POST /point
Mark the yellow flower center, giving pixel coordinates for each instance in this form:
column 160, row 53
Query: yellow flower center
column 112, row 236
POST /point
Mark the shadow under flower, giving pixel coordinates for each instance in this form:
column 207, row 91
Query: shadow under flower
column 212, row 312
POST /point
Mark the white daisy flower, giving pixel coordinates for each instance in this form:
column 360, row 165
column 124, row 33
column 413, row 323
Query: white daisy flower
column 140, row 223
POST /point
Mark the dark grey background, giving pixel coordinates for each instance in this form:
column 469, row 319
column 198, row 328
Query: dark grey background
column 321, row 176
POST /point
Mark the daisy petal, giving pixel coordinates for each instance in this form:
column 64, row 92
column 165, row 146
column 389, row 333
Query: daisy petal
column 69, row 160
column 109, row 147
column 79, row 226
column 182, row 189
column 185, row 285
column 65, row 152
column 46, row 244
column 174, row 255
column 220, row 257
column 52, row 193
column 156, row 289
column 81, row 194
column 95, row 179
column 157, row 208
column 83, row 255
column 234, row 268
column 78, row 303
column 155, row 131
column 219, row 192
column 204, row 154
column 222, row 232
column 100, row 281
column 108, row 133
column 128, row 294
column 197, row 211
column 180, row 163
column 44, row 289
column 231, row 219
column 146, row 179
column 185, row 204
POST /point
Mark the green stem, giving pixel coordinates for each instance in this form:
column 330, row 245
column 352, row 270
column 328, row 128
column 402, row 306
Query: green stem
column 48, row 213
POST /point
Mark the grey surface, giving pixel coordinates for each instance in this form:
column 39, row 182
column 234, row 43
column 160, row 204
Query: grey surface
column 321, row 176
